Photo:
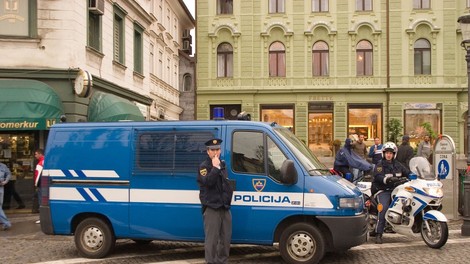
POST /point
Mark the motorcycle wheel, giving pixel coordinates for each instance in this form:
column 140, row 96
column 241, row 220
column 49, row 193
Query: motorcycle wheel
column 437, row 235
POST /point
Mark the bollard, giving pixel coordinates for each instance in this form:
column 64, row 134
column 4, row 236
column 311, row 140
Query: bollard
column 466, row 208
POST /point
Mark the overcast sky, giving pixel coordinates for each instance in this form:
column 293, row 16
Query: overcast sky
column 190, row 5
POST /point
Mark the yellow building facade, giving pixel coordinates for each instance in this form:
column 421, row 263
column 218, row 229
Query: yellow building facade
column 335, row 69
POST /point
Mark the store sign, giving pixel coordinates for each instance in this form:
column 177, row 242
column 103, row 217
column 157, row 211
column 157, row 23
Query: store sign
column 444, row 157
column 27, row 124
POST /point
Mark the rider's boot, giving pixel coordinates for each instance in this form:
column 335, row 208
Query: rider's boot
column 378, row 239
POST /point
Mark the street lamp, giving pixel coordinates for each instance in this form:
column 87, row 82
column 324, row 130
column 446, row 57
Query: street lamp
column 464, row 22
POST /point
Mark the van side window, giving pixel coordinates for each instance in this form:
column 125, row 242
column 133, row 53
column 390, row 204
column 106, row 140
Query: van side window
column 275, row 160
column 248, row 152
column 176, row 151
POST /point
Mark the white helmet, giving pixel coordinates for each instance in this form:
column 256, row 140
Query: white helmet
column 389, row 146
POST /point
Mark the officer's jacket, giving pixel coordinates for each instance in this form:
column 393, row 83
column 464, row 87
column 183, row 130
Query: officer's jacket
column 386, row 169
column 215, row 188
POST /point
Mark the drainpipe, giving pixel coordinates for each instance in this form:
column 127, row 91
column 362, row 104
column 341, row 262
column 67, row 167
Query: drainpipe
column 387, row 93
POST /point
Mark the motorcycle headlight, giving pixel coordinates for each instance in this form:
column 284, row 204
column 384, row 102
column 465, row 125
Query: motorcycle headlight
column 350, row 202
column 434, row 191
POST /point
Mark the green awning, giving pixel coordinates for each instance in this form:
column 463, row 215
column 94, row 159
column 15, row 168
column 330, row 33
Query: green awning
column 106, row 107
column 28, row 105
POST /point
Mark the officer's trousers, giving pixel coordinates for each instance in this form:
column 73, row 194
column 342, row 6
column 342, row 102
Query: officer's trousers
column 218, row 232
column 385, row 199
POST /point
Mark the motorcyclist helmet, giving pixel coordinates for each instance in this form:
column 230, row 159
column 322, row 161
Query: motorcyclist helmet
column 389, row 146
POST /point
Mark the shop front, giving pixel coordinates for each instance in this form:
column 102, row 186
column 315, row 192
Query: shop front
column 27, row 109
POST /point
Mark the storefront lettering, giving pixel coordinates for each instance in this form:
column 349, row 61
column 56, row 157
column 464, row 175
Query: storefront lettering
column 24, row 124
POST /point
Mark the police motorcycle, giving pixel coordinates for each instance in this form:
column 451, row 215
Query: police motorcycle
column 415, row 206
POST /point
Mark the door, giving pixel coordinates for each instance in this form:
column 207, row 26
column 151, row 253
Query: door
column 260, row 200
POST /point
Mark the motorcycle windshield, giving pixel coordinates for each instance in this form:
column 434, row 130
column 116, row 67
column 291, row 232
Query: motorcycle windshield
column 422, row 168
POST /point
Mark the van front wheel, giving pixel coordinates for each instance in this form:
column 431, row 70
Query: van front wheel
column 302, row 243
column 94, row 238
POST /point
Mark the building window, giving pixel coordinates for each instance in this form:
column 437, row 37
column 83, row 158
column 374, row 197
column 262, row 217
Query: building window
column 320, row 5
column 468, row 5
column 363, row 5
column 415, row 118
column 276, row 6
column 138, row 48
column 19, row 19
column 224, row 60
column 422, row 57
column 281, row 114
column 422, row 4
column 277, row 60
column 224, row 7
column 364, row 58
column 320, row 129
column 118, row 35
column 187, row 81
column 94, row 31
column 152, row 58
column 365, row 120
column 320, row 59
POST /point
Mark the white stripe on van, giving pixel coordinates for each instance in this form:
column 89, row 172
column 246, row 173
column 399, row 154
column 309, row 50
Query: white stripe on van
column 74, row 174
column 53, row 173
column 72, row 194
column 264, row 199
column 101, row 173
column 317, row 200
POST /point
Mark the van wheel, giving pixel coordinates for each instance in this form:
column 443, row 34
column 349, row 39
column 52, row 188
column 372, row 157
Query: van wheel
column 94, row 238
column 302, row 243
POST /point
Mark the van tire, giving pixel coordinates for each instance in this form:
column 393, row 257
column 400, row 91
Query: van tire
column 94, row 238
column 302, row 243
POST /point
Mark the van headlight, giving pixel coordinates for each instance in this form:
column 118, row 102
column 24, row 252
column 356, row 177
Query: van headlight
column 350, row 202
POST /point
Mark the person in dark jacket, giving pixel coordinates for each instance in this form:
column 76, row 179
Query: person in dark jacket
column 346, row 159
column 388, row 174
column 375, row 151
column 405, row 152
column 216, row 197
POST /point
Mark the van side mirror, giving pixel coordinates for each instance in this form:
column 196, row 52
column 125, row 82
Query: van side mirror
column 288, row 172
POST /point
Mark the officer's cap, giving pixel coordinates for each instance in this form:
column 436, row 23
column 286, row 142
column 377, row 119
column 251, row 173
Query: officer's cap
column 213, row 143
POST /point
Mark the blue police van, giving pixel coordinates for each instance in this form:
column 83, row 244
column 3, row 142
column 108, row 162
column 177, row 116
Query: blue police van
column 137, row 180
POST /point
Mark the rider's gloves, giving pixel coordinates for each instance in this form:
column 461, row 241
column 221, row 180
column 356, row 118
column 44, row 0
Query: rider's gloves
column 392, row 180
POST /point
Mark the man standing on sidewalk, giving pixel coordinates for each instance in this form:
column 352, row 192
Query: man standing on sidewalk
column 39, row 155
column 5, row 176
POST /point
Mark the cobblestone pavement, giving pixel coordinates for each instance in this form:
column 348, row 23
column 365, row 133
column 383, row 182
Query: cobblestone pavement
column 25, row 243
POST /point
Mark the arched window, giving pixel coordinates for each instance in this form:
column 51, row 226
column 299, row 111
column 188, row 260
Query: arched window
column 187, row 81
column 277, row 60
column 320, row 58
column 422, row 58
column 364, row 58
column 224, row 60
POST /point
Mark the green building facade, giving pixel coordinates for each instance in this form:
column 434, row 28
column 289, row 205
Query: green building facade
column 335, row 69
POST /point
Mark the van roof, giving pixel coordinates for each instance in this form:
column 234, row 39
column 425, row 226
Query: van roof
column 164, row 123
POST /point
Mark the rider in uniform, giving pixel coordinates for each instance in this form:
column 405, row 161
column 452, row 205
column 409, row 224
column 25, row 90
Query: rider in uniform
column 216, row 196
column 388, row 174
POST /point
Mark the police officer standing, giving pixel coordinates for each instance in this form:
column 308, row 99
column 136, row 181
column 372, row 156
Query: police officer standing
column 215, row 195
column 388, row 174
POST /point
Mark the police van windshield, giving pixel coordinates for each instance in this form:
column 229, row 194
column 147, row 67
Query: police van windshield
column 302, row 152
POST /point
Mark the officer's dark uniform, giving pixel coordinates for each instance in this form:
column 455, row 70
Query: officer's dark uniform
column 384, row 187
column 216, row 196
